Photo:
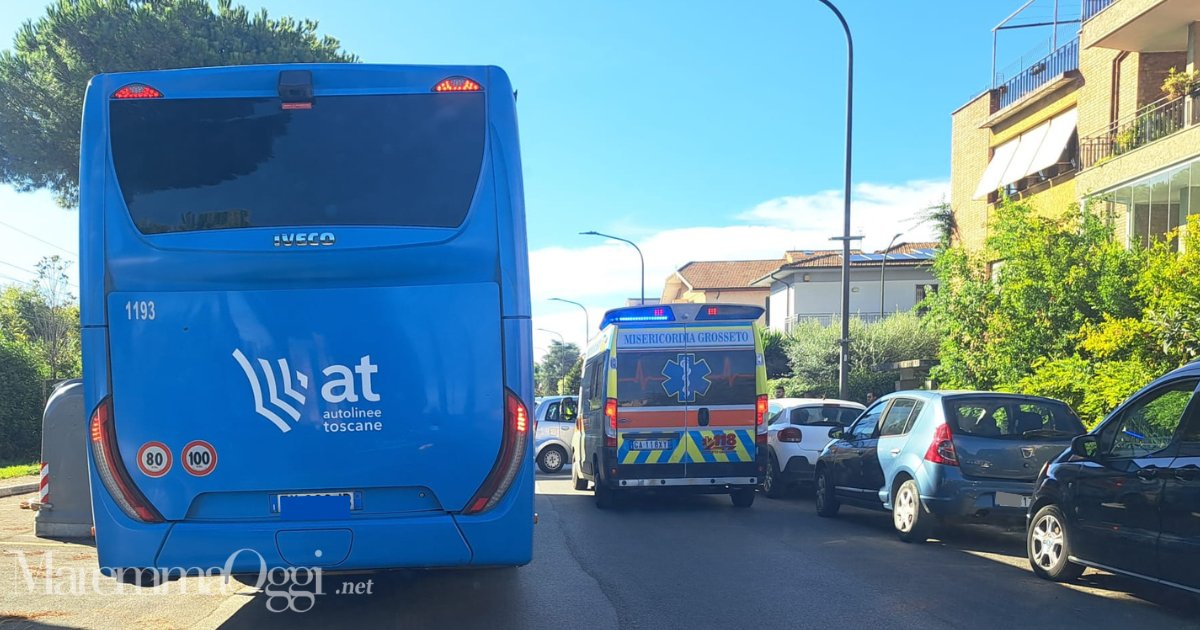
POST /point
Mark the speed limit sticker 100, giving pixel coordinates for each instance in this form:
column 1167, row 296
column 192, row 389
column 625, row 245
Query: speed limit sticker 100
column 199, row 458
column 154, row 459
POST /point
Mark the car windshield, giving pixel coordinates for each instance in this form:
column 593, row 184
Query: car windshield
column 1012, row 417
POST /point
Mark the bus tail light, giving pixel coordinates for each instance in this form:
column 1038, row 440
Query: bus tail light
column 514, row 444
column 112, row 472
column 457, row 84
column 137, row 90
column 610, row 423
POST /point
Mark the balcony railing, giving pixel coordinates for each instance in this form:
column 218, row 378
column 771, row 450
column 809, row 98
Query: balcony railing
column 1092, row 7
column 828, row 319
column 1154, row 122
column 1054, row 65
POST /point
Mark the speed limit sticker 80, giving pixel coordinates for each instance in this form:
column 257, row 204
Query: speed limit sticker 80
column 199, row 458
column 154, row 459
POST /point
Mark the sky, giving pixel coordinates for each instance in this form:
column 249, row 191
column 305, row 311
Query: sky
column 701, row 129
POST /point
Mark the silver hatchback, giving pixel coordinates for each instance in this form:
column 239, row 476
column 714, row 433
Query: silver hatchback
column 554, row 421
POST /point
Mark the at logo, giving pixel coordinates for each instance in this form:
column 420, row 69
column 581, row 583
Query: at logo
column 343, row 384
column 300, row 239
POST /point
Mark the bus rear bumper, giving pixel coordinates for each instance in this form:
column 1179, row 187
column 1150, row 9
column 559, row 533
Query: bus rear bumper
column 432, row 540
column 425, row 541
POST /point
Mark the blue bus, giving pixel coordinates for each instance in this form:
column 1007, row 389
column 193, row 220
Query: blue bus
column 306, row 318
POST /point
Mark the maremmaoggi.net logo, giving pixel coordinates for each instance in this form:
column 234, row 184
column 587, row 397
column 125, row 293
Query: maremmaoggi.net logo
column 286, row 394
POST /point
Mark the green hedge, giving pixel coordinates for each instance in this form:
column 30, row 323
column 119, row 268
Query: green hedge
column 20, row 403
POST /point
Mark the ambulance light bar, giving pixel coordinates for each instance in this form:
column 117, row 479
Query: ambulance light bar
column 654, row 313
column 729, row 311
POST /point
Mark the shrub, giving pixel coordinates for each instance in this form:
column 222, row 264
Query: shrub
column 20, row 403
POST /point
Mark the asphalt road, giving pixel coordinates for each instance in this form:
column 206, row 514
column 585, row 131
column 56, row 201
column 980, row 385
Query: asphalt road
column 697, row 562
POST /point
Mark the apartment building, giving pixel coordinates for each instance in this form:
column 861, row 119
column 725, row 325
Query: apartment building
column 1090, row 122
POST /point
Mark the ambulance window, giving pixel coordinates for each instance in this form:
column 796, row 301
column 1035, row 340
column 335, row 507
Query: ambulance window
column 730, row 375
column 642, row 379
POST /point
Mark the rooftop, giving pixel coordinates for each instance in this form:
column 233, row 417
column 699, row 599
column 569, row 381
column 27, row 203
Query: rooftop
column 726, row 274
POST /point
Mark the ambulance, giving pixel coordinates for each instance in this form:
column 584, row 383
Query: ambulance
column 673, row 399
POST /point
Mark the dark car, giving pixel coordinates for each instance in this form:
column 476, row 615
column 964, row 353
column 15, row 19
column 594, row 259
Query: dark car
column 935, row 456
column 1126, row 497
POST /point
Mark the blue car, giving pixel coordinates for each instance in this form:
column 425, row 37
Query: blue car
column 930, row 457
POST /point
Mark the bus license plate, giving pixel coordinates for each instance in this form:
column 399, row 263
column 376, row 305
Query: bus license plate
column 353, row 499
column 652, row 445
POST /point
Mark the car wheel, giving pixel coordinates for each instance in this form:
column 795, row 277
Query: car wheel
column 606, row 497
column 551, row 459
column 771, row 484
column 827, row 504
column 1049, row 546
column 743, row 498
column 578, row 481
column 912, row 520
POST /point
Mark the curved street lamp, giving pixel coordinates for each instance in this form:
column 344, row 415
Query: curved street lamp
column 587, row 329
column 558, row 381
column 844, row 342
column 639, row 251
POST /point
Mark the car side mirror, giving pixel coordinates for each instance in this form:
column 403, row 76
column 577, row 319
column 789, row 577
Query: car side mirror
column 1086, row 446
column 837, row 433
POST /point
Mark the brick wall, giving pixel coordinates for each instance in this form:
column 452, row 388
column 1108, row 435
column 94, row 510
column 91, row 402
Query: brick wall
column 969, row 155
column 1152, row 71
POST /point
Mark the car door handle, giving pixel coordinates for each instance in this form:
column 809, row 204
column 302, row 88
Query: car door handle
column 702, row 417
column 1187, row 473
column 894, row 452
column 1148, row 473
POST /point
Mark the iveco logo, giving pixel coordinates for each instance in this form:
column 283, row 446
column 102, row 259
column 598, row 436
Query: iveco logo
column 300, row 239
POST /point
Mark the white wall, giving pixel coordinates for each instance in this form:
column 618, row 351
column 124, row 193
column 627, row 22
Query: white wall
column 822, row 294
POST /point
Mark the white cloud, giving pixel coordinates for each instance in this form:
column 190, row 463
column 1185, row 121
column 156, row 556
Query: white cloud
column 603, row 274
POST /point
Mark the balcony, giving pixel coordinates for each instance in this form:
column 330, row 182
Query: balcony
column 1154, row 122
column 1042, row 72
column 1147, row 26
column 1092, row 7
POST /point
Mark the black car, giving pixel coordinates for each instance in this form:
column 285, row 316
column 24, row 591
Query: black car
column 1126, row 497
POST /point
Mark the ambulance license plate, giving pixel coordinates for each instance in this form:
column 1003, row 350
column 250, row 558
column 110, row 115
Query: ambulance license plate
column 652, row 445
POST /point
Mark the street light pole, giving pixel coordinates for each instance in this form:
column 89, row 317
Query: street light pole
column 563, row 341
column 639, row 251
column 587, row 328
column 844, row 342
column 883, row 271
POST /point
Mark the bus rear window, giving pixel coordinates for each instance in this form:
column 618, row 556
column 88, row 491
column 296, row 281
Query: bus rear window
column 386, row 160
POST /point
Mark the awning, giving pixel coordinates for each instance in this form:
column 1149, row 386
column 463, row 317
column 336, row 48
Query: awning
column 1027, row 147
column 1062, row 127
column 1032, row 151
column 995, row 169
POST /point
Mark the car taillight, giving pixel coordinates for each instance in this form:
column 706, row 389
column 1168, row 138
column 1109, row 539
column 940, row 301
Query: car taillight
column 941, row 449
column 514, row 444
column 790, row 434
column 610, row 423
column 112, row 471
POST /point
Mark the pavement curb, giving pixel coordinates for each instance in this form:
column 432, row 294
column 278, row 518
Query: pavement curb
column 21, row 489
